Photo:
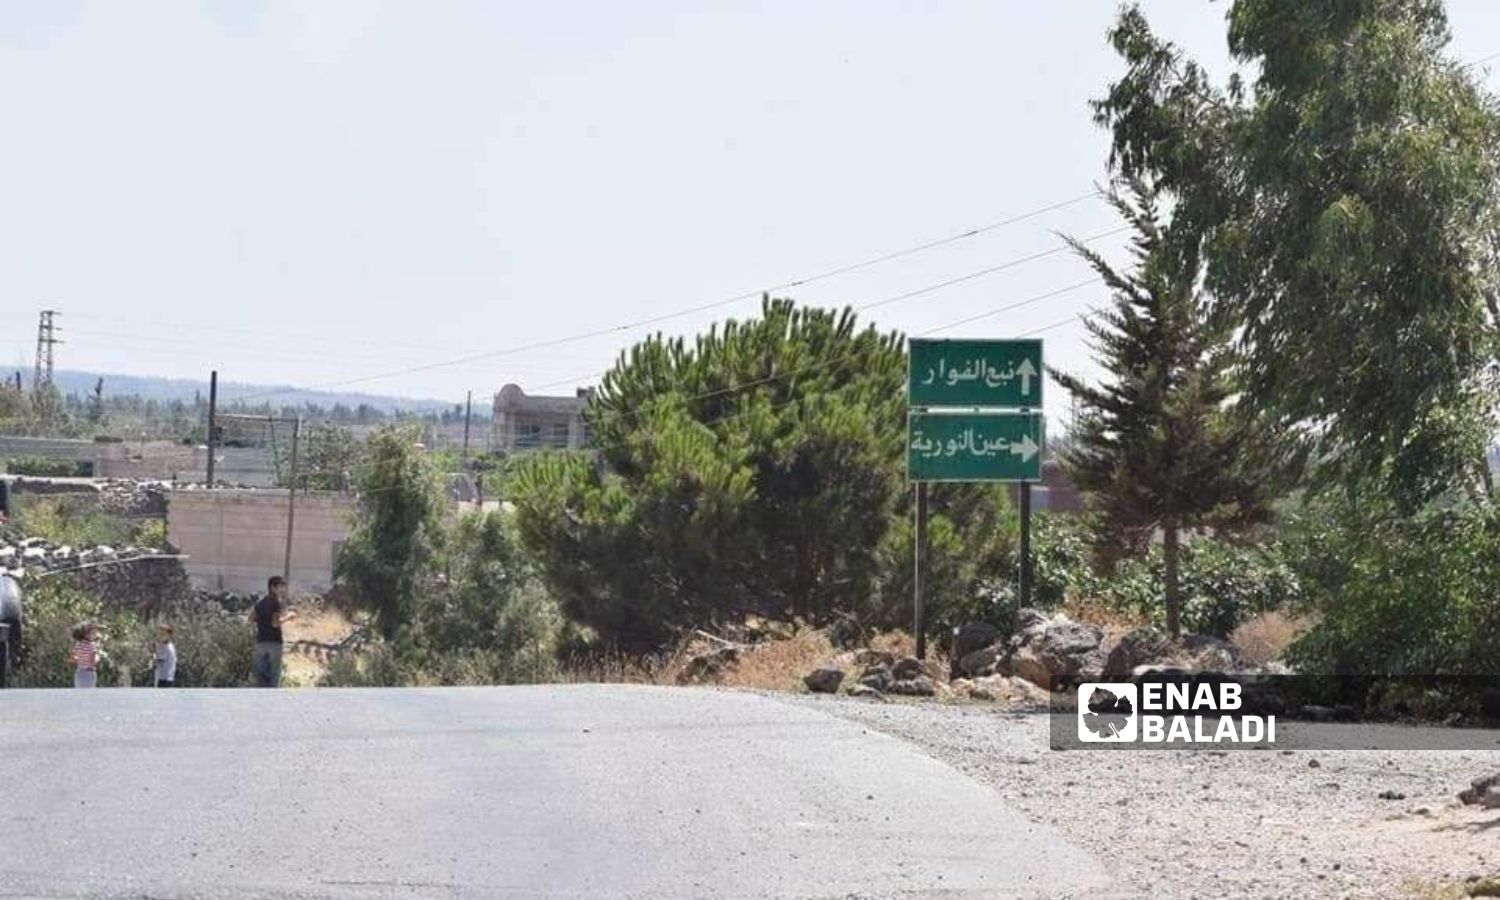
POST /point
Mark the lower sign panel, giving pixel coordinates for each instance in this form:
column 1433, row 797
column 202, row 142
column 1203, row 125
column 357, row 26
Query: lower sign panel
column 974, row 446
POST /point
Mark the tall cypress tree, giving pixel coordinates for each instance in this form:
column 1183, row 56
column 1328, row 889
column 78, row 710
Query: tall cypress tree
column 1159, row 445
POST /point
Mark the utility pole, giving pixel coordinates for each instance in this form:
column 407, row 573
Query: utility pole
column 919, row 572
column 213, row 424
column 291, row 505
column 46, row 339
column 468, row 410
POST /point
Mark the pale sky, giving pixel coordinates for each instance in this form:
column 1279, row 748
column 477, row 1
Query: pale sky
column 322, row 192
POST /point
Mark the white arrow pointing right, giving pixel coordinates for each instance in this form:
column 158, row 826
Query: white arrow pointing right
column 1025, row 448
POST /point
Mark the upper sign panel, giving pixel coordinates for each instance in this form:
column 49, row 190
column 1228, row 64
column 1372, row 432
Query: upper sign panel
column 975, row 373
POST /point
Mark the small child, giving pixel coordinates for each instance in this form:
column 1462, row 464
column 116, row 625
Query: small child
column 85, row 655
column 166, row 657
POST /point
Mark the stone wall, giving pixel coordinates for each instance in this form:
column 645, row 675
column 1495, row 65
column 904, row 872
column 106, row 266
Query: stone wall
column 141, row 579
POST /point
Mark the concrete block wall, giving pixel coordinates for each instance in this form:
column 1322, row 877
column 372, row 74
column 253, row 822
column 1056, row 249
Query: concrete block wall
column 236, row 539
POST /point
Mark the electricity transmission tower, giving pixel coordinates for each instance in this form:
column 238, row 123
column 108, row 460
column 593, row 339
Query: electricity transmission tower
column 46, row 339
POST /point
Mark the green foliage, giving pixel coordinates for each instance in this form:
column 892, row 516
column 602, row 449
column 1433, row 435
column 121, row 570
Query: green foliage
column 1350, row 208
column 758, row 470
column 47, row 468
column 1223, row 584
column 1398, row 595
column 375, row 666
column 397, row 533
column 1159, row 445
column 78, row 522
column 211, row 652
column 494, row 624
column 330, row 458
column 52, row 610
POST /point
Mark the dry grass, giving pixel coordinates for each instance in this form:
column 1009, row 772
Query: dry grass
column 779, row 665
column 1265, row 638
column 770, row 665
column 1094, row 612
column 621, row 669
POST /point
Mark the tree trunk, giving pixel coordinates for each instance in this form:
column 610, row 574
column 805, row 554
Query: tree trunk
column 1174, row 597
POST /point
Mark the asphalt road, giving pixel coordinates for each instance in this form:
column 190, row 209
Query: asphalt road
column 539, row 792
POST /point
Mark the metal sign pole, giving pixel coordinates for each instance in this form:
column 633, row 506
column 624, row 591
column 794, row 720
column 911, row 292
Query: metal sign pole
column 919, row 611
column 1025, row 543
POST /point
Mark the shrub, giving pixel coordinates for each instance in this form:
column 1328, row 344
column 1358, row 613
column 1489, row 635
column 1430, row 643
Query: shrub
column 374, row 666
column 1398, row 595
column 52, row 610
column 1266, row 637
column 48, row 468
column 77, row 521
column 211, row 652
column 1222, row 584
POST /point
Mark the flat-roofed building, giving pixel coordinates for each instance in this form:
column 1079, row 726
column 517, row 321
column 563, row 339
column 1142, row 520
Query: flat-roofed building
column 523, row 423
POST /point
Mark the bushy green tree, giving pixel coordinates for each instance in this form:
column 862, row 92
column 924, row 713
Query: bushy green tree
column 494, row 617
column 388, row 560
column 1348, row 196
column 1158, row 445
column 1397, row 595
column 330, row 461
column 757, row 470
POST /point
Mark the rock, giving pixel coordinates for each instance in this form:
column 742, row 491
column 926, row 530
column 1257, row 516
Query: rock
column 1202, row 651
column 968, row 639
column 845, row 632
column 1140, row 647
column 1391, row 795
column 1316, row 713
column 1016, row 693
column 872, row 657
column 979, row 663
column 1055, row 654
column 979, row 693
column 1482, row 792
column 877, row 677
column 1028, row 619
column 1028, row 663
column 864, row 690
column 709, row 666
column 824, row 681
column 916, row 686
column 7, row 552
column 33, row 554
column 1314, row 764
column 907, row 667
column 1488, row 886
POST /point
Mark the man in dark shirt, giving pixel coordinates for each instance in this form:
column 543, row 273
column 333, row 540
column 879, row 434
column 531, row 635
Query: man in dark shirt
column 269, row 614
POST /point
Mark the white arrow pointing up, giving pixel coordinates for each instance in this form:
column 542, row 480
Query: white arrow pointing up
column 1025, row 448
column 1027, row 372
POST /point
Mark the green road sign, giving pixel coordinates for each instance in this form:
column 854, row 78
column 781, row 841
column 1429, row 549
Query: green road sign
column 975, row 373
column 973, row 446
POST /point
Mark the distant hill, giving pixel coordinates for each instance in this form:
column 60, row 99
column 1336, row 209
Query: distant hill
column 71, row 381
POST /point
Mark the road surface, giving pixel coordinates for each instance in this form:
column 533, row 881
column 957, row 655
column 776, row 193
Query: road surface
column 532, row 792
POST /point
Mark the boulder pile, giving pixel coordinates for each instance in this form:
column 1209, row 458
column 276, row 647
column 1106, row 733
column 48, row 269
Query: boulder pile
column 1045, row 658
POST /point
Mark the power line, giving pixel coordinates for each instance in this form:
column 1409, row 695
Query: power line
column 931, row 288
column 691, row 310
column 826, row 364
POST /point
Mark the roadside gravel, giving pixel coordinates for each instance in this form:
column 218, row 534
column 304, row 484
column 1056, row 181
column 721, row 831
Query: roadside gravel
column 1204, row 823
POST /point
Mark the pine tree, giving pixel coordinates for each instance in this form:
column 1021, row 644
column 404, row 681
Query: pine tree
column 1159, row 445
